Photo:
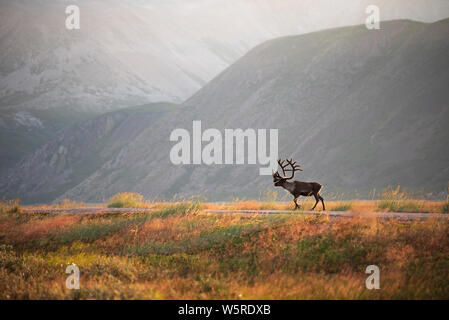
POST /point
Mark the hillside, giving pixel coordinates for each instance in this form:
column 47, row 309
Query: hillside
column 358, row 109
column 139, row 51
column 79, row 151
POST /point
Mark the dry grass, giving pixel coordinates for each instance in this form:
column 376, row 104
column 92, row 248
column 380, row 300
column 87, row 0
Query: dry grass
column 62, row 204
column 135, row 200
column 9, row 206
column 399, row 199
column 354, row 206
column 180, row 252
column 69, row 204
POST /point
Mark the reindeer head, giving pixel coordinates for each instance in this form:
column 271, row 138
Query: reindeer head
column 278, row 179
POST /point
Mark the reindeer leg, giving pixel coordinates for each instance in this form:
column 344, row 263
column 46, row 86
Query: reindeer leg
column 317, row 200
column 296, row 204
column 322, row 201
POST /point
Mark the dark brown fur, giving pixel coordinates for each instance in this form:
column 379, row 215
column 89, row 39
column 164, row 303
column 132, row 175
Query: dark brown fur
column 297, row 188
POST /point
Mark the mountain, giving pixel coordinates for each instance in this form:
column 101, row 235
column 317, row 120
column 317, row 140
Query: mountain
column 134, row 52
column 359, row 109
column 81, row 150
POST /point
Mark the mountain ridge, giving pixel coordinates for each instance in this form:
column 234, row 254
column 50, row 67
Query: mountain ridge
column 140, row 51
column 359, row 109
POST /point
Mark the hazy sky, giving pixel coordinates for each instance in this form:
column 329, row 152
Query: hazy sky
column 325, row 12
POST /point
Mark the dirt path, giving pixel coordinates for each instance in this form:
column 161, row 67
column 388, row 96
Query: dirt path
column 344, row 214
column 87, row 210
column 333, row 214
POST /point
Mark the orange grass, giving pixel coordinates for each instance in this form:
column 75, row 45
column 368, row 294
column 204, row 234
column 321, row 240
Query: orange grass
column 181, row 252
column 35, row 228
column 335, row 205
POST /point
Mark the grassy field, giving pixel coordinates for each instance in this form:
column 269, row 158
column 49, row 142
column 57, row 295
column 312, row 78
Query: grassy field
column 181, row 252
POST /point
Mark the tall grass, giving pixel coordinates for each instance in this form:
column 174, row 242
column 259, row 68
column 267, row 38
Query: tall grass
column 399, row 200
column 181, row 208
column 9, row 206
column 340, row 206
column 69, row 204
column 445, row 207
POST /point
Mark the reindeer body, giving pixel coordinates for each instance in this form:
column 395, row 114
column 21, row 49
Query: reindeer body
column 297, row 188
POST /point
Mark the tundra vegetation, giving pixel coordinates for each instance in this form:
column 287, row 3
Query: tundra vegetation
column 179, row 250
column 125, row 200
column 9, row 206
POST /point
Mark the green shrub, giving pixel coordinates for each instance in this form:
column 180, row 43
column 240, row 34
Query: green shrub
column 125, row 200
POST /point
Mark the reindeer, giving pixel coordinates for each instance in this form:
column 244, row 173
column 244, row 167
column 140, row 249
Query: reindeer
column 296, row 188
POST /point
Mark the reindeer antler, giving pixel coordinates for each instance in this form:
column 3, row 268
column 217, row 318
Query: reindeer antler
column 294, row 167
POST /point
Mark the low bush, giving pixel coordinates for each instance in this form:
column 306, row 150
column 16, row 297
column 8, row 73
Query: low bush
column 125, row 200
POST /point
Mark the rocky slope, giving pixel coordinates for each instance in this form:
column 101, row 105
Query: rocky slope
column 80, row 151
